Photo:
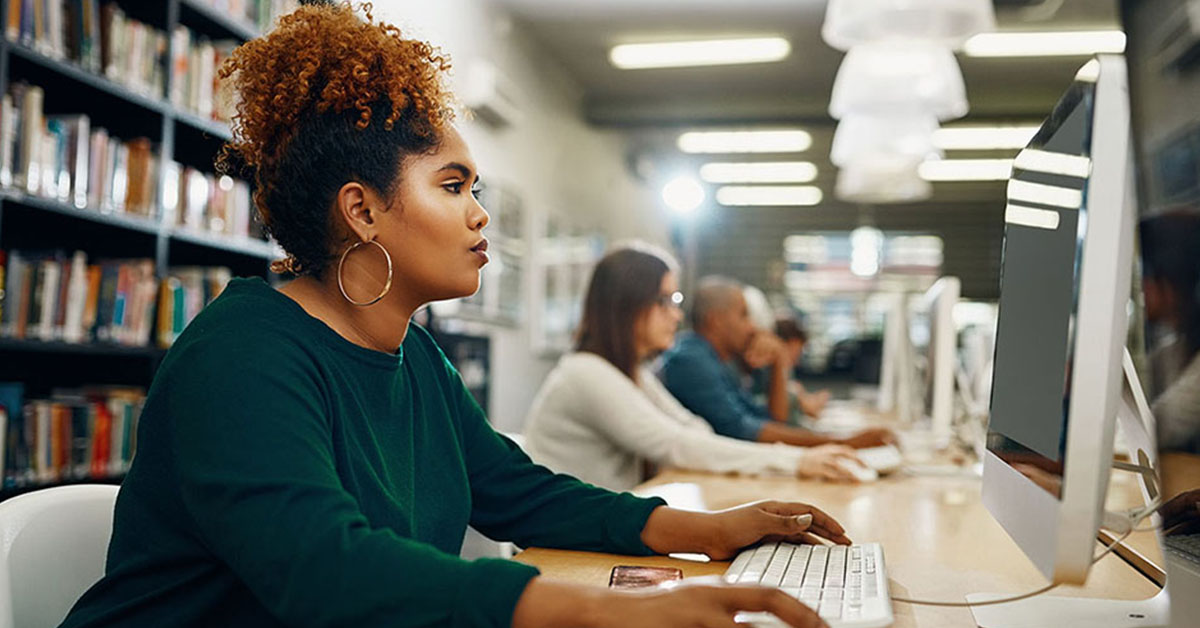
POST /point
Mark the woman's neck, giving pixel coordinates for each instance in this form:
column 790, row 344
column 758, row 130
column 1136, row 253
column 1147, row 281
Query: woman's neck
column 380, row 327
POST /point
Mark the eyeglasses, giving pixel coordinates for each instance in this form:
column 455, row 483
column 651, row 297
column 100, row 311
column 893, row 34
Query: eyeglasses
column 674, row 299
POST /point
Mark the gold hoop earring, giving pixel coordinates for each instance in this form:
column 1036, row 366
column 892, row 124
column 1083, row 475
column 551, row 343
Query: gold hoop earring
column 387, row 286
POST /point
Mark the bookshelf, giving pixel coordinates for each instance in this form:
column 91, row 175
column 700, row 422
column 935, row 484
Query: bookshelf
column 126, row 107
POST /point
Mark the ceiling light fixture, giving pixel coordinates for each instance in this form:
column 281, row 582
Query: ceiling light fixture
column 966, row 170
column 777, row 195
column 984, row 137
column 766, row 141
column 759, row 172
column 1045, row 44
column 679, row 54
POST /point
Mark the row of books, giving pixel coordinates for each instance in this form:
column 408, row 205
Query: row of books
column 81, row 434
column 259, row 14
column 195, row 85
column 53, row 297
column 100, row 38
column 63, row 157
column 206, row 202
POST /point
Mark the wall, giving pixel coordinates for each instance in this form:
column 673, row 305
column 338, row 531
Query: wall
column 556, row 163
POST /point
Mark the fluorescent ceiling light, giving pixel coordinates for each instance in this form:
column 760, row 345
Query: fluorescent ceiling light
column 1031, row 217
column 1041, row 194
column 679, row 54
column 984, row 137
column 966, row 170
column 748, row 195
column 775, row 141
column 1053, row 163
column 1044, row 44
column 759, row 172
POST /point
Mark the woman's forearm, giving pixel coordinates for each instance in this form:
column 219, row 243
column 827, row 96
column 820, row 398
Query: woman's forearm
column 671, row 530
column 550, row 604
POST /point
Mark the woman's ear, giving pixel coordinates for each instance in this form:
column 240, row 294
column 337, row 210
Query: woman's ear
column 353, row 206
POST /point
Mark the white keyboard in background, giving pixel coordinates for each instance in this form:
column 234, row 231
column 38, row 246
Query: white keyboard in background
column 846, row 585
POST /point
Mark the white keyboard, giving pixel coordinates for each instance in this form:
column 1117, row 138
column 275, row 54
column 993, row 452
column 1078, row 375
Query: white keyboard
column 846, row 585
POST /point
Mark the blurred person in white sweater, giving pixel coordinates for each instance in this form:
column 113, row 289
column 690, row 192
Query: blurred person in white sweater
column 601, row 413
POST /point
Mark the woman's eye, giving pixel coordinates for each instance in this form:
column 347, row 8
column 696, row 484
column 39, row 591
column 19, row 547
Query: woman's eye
column 454, row 188
column 476, row 191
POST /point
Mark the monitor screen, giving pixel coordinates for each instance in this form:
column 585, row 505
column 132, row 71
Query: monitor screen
column 1046, row 220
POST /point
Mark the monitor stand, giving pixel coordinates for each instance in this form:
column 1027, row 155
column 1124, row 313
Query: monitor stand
column 1137, row 424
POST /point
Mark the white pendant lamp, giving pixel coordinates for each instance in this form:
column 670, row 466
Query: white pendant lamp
column 899, row 77
column 903, row 136
column 880, row 181
column 948, row 23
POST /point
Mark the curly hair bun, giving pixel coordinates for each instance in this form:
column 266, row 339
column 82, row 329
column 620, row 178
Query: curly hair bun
column 327, row 61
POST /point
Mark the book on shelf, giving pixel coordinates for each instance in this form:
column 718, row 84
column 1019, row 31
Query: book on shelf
column 64, row 158
column 98, row 37
column 89, row 433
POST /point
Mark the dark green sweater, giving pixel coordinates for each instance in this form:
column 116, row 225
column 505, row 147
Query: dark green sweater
column 285, row 476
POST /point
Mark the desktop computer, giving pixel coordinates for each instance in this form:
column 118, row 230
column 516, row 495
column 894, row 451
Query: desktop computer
column 1059, row 366
column 920, row 360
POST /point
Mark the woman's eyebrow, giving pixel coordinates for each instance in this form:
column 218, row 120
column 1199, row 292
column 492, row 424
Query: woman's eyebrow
column 462, row 169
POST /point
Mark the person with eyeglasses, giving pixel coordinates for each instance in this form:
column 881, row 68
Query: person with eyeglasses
column 601, row 412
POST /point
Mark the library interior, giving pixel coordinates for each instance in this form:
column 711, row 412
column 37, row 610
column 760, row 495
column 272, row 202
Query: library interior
column 600, row 314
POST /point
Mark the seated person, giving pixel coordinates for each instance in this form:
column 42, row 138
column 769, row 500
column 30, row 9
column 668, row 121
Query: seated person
column 601, row 412
column 307, row 456
column 767, row 371
column 694, row 372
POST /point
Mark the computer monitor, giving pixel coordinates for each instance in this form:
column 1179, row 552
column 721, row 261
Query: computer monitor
column 934, row 341
column 1064, row 290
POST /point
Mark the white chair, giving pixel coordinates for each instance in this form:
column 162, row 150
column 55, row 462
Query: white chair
column 53, row 545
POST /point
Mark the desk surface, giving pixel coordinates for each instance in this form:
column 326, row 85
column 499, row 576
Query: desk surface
column 939, row 541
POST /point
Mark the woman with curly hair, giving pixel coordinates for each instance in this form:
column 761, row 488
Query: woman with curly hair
column 307, row 457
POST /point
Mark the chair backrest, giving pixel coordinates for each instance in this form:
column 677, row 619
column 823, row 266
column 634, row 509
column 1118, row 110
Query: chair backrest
column 53, row 545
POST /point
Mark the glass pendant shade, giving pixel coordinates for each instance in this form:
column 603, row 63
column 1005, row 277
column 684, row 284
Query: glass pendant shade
column 899, row 77
column 904, row 136
column 880, row 181
column 948, row 23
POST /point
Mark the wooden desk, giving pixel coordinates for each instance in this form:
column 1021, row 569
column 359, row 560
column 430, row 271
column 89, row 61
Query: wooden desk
column 939, row 541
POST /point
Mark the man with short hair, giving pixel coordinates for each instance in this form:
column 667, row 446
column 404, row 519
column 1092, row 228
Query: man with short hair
column 694, row 371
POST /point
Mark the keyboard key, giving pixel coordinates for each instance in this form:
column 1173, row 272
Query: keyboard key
column 830, row 610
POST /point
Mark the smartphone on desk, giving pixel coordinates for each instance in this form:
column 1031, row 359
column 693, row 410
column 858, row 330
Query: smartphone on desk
column 635, row 577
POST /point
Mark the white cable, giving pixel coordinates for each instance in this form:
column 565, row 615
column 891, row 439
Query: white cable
column 1138, row 519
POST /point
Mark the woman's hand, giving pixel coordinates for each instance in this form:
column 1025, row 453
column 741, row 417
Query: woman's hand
column 684, row 604
column 701, row 602
column 767, row 521
column 822, row 463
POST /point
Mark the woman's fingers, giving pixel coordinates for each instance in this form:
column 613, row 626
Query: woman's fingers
column 770, row 600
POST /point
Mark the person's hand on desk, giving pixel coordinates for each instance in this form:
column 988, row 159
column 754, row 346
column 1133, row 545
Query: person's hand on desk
column 724, row 533
column 822, row 463
column 871, row 437
column 688, row 604
column 719, row 534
